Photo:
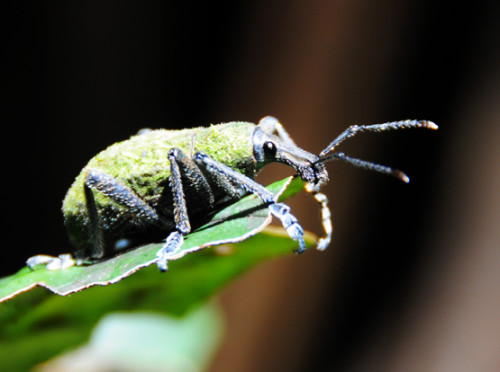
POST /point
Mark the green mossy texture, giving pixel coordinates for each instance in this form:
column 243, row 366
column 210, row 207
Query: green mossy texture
column 141, row 163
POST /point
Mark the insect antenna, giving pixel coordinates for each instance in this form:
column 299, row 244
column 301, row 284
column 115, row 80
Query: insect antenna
column 365, row 165
column 393, row 125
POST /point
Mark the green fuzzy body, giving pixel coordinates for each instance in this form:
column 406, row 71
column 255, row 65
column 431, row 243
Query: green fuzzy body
column 142, row 164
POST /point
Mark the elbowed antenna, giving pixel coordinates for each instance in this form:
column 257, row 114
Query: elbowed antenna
column 394, row 125
column 365, row 165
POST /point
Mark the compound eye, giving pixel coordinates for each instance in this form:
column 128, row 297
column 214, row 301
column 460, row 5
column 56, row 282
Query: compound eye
column 269, row 149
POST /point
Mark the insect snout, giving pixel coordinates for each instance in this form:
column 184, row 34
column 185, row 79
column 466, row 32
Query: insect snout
column 319, row 173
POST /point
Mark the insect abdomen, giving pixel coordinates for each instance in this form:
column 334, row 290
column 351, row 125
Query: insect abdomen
column 141, row 163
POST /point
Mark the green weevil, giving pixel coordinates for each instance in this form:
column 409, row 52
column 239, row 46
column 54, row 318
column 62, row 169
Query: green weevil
column 151, row 185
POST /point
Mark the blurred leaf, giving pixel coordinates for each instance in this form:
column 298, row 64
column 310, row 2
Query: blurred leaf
column 147, row 342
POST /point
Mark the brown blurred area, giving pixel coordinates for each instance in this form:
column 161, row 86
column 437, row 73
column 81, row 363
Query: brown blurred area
column 411, row 281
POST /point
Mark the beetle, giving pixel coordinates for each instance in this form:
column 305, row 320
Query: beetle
column 153, row 184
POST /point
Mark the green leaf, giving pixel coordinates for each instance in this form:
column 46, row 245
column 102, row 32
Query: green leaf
column 47, row 325
column 234, row 223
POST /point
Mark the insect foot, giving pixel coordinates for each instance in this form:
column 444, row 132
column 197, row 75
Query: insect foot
column 51, row 263
column 172, row 245
column 290, row 223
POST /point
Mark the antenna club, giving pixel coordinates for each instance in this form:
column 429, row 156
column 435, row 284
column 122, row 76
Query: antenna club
column 429, row 125
column 400, row 175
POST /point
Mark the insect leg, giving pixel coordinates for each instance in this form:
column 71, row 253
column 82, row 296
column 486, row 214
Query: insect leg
column 183, row 167
column 182, row 226
column 190, row 171
column 142, row 212
column 395, row 125
column 326, row 217
column 279, row 210
column 223, row 182
column 109, row 186
column 95, row 231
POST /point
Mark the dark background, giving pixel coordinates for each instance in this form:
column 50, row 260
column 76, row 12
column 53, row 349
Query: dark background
column 411, row 279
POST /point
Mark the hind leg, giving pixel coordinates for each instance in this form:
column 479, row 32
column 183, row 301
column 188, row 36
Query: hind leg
column 98, row 181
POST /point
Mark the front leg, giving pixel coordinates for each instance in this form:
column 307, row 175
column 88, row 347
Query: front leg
column 279, row 210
